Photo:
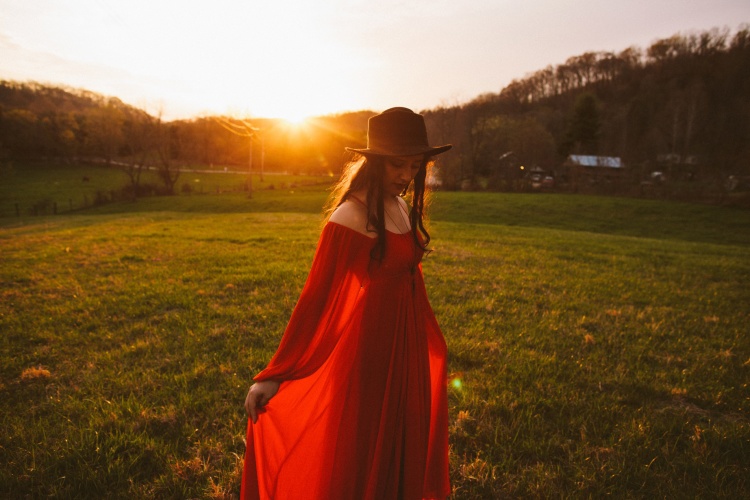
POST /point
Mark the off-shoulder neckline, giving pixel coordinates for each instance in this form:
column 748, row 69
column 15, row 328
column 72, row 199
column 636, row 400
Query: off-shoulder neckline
column 388, row 231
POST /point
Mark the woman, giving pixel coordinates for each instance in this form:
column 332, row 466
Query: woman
column 353, row 404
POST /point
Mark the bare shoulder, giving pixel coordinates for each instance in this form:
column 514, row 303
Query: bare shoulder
column 351, row 215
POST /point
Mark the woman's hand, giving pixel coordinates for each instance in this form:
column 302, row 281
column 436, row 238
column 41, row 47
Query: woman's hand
column 258, row 396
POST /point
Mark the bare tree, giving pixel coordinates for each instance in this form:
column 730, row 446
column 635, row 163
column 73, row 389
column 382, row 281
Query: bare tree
column 141, row 138
column 167, row 147
column 244, row 128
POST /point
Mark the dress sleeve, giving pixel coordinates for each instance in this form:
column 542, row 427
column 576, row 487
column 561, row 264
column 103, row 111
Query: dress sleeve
column 328, row 302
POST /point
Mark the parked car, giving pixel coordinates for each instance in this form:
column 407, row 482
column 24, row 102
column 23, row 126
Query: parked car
column 536, row 181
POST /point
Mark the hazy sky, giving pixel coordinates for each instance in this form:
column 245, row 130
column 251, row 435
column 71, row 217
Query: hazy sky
column 285, row 58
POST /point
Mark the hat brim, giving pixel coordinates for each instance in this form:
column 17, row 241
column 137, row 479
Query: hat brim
column 408, row 151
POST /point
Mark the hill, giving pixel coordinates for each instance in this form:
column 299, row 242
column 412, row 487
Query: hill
column 676, row 113
column 679, row 107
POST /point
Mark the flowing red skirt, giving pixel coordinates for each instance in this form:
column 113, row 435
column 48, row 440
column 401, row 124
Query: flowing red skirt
column 362, row 411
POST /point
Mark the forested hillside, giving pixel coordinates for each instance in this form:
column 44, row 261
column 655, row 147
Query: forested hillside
column 681, row 107
column 676, row 113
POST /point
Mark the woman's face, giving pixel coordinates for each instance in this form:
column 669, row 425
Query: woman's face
column 399, row 172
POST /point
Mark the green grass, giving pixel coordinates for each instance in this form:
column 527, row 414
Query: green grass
column 27, row 185
column 608, row 215
column 150, row 327
column 597, row 346
column 594, row 365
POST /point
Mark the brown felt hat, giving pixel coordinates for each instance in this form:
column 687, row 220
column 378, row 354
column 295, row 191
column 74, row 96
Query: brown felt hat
column 398, row 132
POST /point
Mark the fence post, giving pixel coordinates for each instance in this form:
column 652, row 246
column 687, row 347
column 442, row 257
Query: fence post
column 18, row 210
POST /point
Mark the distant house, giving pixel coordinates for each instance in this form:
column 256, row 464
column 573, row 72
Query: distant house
column 583, row 171
column 594, row 161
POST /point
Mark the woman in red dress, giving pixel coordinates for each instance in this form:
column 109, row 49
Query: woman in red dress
column 353, row 404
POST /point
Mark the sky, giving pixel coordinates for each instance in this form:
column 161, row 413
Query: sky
column 296, row 58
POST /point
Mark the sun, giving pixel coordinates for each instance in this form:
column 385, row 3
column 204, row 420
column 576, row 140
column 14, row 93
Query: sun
column 296, row 118
column 292, row 106
column 287, row 68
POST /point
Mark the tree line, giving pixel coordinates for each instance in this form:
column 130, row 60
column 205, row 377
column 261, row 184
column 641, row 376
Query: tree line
column 65, row 125
column 681, row 107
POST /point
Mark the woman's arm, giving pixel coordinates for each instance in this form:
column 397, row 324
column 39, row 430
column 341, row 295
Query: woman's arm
column 326, row 304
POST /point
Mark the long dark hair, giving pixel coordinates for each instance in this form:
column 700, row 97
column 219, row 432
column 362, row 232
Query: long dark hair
column 365, row 173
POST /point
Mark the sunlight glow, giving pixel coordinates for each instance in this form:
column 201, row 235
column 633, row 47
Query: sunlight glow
column 278, row 59
column 296, row 120
column 289, row 58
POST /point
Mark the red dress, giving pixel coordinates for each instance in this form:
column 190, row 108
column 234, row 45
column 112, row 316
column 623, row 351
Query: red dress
column 362, row 411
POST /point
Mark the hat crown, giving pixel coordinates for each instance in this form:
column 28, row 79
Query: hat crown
column 396, row 129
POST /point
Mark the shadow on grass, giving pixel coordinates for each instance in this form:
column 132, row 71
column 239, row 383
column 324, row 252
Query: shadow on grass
column 598, row 214
column 603, row 215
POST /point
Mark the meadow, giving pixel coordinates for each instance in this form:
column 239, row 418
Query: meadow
column 598, row 346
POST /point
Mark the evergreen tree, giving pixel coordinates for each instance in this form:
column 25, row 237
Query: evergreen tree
column 583, row 132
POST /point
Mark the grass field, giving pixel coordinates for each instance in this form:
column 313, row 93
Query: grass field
column 73, row 188
column 598, row 346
